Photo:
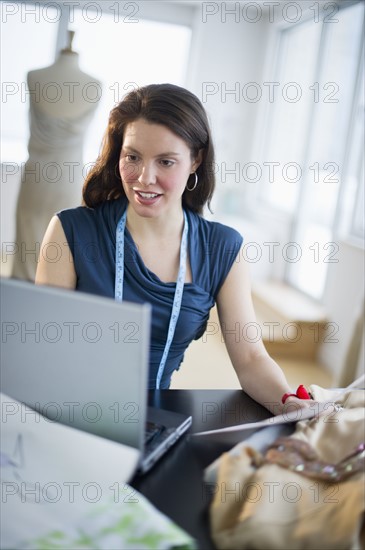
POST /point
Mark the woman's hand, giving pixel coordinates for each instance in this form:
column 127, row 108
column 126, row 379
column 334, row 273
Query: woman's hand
column 293, row 403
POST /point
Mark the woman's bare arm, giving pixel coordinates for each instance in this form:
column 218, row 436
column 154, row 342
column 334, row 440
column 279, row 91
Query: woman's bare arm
column 55, row 263
column 259, row 375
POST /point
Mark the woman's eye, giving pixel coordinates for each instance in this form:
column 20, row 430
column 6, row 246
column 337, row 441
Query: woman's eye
column 166, row 162
column 131, row 158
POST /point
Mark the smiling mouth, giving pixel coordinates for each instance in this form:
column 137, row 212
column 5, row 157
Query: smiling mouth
column 147, row 195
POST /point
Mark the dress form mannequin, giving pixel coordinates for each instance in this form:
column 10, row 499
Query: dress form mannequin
column 63, row 100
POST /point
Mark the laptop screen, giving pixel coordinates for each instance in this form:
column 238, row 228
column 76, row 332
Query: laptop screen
column 78, row 359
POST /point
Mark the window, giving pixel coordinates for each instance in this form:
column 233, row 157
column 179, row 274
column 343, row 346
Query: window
column 289, row 119
column 118, row 58
column 318, row 141
column 351, row 204
column 16, row 61
column 126, row 57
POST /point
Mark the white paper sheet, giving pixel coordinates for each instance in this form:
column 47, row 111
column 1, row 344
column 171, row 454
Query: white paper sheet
column 63, row 488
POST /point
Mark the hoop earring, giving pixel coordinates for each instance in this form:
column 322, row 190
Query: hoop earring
column 195, row 183
column 117, row 173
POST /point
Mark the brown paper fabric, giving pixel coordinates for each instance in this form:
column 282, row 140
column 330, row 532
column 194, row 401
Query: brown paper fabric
column 271, row 507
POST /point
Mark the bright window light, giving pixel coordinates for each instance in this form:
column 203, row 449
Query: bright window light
column 26, row 44
column 124, row 56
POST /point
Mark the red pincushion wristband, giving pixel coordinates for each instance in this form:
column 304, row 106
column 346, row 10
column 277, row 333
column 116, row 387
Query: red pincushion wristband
column 301, row 394
column 286, row 395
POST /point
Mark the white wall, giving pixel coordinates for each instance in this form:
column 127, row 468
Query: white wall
column 343, row 300
column 10, row 184
column 226, row 55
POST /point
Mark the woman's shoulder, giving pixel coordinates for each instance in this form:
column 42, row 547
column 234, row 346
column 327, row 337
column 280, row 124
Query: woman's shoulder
column 214, row 231
column 84, row 224
column 215, row 247
column 108, row 210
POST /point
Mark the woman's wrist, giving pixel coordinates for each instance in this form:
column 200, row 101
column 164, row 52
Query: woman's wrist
column 301, row 393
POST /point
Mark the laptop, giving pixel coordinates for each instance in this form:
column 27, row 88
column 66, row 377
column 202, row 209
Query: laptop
column 82, row 360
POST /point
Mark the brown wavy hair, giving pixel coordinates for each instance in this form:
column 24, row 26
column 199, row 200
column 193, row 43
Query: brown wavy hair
column 166, row 104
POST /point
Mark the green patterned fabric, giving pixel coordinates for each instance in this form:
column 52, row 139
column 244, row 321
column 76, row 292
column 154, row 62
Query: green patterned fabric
column 126, row 521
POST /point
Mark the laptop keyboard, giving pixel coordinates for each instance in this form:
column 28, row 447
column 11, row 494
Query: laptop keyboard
column 152, row 431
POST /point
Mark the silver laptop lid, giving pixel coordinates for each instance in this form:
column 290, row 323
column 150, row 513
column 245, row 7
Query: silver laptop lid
column 78, row 359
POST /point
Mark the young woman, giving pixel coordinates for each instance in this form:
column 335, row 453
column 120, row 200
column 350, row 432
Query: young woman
column 140, row 236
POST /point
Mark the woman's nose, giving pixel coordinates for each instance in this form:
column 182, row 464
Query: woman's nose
column 147, row 175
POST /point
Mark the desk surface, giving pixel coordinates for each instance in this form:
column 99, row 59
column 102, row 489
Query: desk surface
column 175, row 484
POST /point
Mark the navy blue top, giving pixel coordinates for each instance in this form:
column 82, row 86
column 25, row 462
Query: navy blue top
column 212, row 249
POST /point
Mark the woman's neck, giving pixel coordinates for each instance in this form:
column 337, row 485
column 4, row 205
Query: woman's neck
column 162, row 227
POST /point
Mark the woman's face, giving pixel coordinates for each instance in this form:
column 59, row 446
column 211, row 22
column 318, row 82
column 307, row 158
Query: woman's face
column 154, row 166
